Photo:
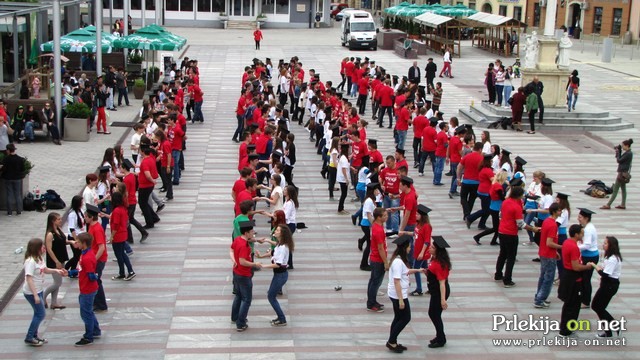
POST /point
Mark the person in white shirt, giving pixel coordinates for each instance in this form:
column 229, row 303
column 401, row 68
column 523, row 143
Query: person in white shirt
column 446, row 68
column 398, row 290
column 610, row 272
column 343, row 176
column 589, row 252
column 485, row 138
column 276, row 199
column 135, row 141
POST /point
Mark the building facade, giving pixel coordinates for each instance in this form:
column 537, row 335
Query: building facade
column 511, row 8
column 603, row 17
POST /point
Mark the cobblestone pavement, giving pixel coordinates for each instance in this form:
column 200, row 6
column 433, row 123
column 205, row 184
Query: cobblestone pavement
column 178, row 306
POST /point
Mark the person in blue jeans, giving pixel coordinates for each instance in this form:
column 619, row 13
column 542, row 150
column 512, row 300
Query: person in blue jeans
column 280, row 275
column 240, row 254
column 34, row 271
column 548, row 254
column 361, row 188
column 88, row 284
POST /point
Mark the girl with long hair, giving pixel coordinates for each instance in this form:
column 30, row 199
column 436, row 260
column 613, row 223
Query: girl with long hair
column 610, row 272
column 485, row 138
column 421, row 242
column 56, row 244
column 438, row 282
column 542, row 212
column 34, row 271
column 119, row 220
column 368, row 206
column 103, row 189
column 283, row 249
column 76, row 226
column 563, row 225
column 496, row 195
column 505, row 163
column 290, row 209
column 289, row 158
column 486, row 177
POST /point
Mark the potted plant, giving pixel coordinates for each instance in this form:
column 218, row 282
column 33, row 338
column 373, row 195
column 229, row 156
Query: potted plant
column 387, row 24
column 138, row 88
column 134, row 61
column 76, row 123
column 261, row 19
column 223, row 16
column 152, row 75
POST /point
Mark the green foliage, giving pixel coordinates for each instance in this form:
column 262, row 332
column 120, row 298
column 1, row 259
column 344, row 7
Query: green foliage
column 78, row 110
column 387, row 23
column 135, row 57
column 139, row 82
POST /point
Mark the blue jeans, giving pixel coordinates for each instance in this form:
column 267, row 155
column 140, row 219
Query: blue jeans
column 423, row 158
column 177, row 156
column 197, row 109
column 28, row 130
column 401, row 138
column 100, row 300
column 377, row 275
column 545, row 281
column 393, row 222
column 122, row 257
column 91, row 326
column 507, row 93
column 437, row 171
column 277, row 282
column 361, row 194
column 242, row 299
column 354, row 89
column 454, row 178
column 528, row 217
column 499, row 91
column 38, row 315
column 418, row 264
column 572, row 98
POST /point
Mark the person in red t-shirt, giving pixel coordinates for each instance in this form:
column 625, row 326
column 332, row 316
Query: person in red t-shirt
column 119, row 224
column 454, row 154
column 548, row 254
column 401, row 160
column 348, row 72
column 409, row 205
column 251, row 185
column 438, row 280
column 240, row 110
column 343, row 66
column 146, row 183
column 418, row 124
column 429, row 135
column 469, row 167
column 166, row 162
column 99, row 248
column 386, row 103
column 197, row 95
column 363, row 92
column 442, row 144
column 510, row 223
column 88, row 282
column 421, row 241
column 130, row 181
column 257, row 37
column 390, row 183
column 240, row 254
column 485, row 177
column 377, row 259
column 403, row 118
column 176, row 147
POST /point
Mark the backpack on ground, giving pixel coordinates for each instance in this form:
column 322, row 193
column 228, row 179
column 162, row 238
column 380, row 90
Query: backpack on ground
column 53, row 200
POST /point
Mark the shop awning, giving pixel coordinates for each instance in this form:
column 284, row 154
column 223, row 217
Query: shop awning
column 493, row 19
column 432, row 20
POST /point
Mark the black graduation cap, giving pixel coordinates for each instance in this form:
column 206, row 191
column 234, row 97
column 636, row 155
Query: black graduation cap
column 460, row 129
column 400, row 151
column 358, row 59
column 372, row 62
column 586, row 212
column 563, row 196
column 521, row 161
column 253, row 157
column 414, row 81
column 430, row 59
column 515, row 182
column 251, row 147
column 92, row 209
column 395, row 77
column 366, row 59
column 104, row 169
column 506, row 152
column 267, row 59
column 372, row 185
column 403, row 240
column 127, row 164
column 246, row 225
column 547, row 181
column 165, row 83
column 423, row 210
column 144, row 117
column 488, row 156
column 440, row 242
column 373, row 141
column 406, row 179
column 254, row 125
column 404, row 78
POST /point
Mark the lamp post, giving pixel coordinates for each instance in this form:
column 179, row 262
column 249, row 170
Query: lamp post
column 98, row 15
column 57, row 71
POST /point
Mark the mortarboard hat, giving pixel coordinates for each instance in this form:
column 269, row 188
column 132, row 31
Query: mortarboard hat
column 506, row 152
column 104, row 169
column 406, row 179
column 547, row 181
column 403, row 240
column 358, row 59
column 366, row 58
column 144, row 117
column 400, row 151
column 246, row 225
column 423, row 210
column 521, row 161
column 92, row 209
column 562, row 196
column 251, row 147
column 395, row 77
column 373, row 142
column 440, row 242
column 515, row 182
column 253, row 157
column 430, row 59
column 488, row 156
column 586, row 212
column 460, row 130
column 127, row 164
column 404, row 78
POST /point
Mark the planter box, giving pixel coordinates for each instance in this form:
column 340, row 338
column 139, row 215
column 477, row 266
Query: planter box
column 3, row 192
column 76, row 129
column 386, row 38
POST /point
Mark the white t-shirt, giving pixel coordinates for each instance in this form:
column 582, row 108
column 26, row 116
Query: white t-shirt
column 343, row 163
column 151, row 128
column 495, row 164
column 290, row 210
column 331, row 162
column 35, row 269
column 546, row 201
column 280, row 255
column 72, row 223
column 135, row 142
column 590, row 238
column 367, row 208
column 398, row 270
column 320, row 116
column 486, row 148
column 563, row 219
column 612, row 266
column 506, row 167
column 278, row 205
column 89, row 196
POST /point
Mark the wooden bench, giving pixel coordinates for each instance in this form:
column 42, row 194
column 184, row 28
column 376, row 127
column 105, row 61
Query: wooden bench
column 420, row 47
column 38, row 104
column 400, row 49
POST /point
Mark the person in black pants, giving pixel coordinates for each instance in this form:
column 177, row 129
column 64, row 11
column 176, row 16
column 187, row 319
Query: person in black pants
column 490, row 81
column 437, row 281
column 144, row 192
column 343, row 176
column 609, row 281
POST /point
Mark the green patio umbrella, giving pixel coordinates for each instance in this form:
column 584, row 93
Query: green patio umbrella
column 152, row 37
column 461, row 10
column 411, row 11
column 79, row 40
column 395, row 9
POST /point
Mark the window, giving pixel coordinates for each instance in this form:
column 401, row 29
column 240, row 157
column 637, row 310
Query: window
column 186, row 5
column 171, row 5
column 217, row 6
column 597, row 20
column 204, row 5
column 364, row 26
column 536, row 14
column 459, row 3
column 517, row 13
column 282, row 6
column 472, row 5
column 268, row 7
column 136, row 5
column 617, row 21
column 150, row 4
column 502, row 10
column 117, row 4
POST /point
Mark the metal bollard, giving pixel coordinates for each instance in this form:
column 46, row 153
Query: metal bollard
column 631, row 57
column 614, row 50
column 598, row 49
column 582, row 43
column 593, row 37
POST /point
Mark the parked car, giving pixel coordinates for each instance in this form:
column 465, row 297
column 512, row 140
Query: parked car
column 335, row 8
column 340, row 15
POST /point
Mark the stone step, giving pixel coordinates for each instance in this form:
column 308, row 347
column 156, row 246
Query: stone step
column 553, row 118
column 241, row 25
column 553, row 112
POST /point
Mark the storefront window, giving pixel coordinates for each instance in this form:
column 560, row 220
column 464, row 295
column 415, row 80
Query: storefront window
column 268, row 7
column 282, row 6
column 204, row 5
column 502, row 10
column 117, row 4
column 171, row 5
column 517, row 13
column 617, row 21
column 217, row 6
column 597, row 20
column 186, row 5
column 136, row 5
column 151, row 4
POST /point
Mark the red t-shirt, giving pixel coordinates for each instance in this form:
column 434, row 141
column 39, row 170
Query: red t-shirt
column 130, row 183
column 471, row 162
column 437, row 270
column 342, row 67
column 119, row 222
column 166, row 152
column 429, row 139
column 147, row 164
column 410, row 203
column 390, row 180
column 496, row 191
column 241, row 250
column 402, row 124
column 375, row 157
column 257, row 35
column 348, row 68
column 98, row 238
column 239, row 186
column 386, row 94
column 442, row 141
column 455, row 146
column 402, row 163
column 359, row 150
column 549, row 230
column 261, row 144
column 242, row 151
column 400, row 100
column 363, row 86
column 244, row 162
column 419, row 123
column 570, row 252
column 242, row 196
column 363, row 135
column 197, row 93
column 422, row 238
column 241, row 108
column 87, row 265
column 378, row 236
column 511, row 211
column 178, row 136
column 485, row 180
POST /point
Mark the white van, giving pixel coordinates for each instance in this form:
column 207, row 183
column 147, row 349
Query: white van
column 359, row 30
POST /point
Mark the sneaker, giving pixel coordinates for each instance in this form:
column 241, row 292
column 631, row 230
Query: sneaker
column 509, row 284
column 119, row 277
column 343, row 212
column 44, row 341
column 375, row 308
column 540, row 305
column 416, row 293
column 83, row 342
column 243, row 328
column 547, row 302
column 278, row 323
column 420, row 174
column 497, row 277
column 130, row 276
column 536, row 259
column 556, row 282
column 160, row 207
column 34, row 342
column 144, row 237
column 528, row 243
